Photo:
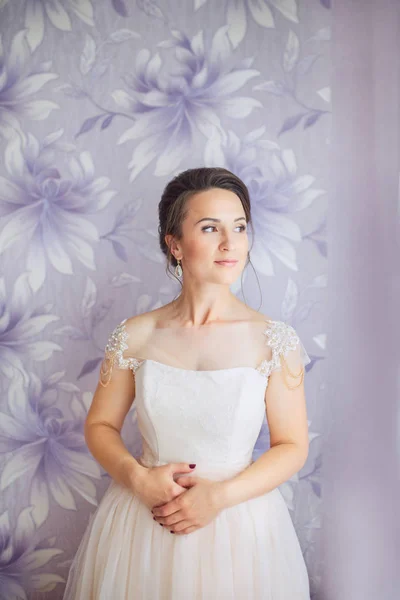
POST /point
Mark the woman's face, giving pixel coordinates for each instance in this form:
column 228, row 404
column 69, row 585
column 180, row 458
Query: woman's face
column 215, row 229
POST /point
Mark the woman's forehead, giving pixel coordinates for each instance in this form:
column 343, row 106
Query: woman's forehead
column 215, row 202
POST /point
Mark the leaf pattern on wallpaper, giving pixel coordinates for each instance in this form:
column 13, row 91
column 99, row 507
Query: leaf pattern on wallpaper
column 20, row 325
column 294, row 67
column 238, row 12
column 126, row 229
column 57, row 14
column 318, row 237
column 93, row 310
column 21, row 560
column 151, row 9
column 120, row 7
column 19, row 84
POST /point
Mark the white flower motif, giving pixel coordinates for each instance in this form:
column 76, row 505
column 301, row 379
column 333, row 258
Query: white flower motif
column 276, row 190
column 168, row 111
column 48, row 210
column 20, row 323
column 20, row 558
column 17, row 87
column 45, row 446
column 260, row 10
column 37, row 10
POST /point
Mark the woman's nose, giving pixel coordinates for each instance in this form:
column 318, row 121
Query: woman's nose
column 227, row 246
column 227, row 242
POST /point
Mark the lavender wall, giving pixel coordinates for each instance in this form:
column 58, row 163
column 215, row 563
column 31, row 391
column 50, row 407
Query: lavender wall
column 101, row 103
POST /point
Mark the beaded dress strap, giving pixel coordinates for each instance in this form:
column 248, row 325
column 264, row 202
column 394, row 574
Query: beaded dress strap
column 282, row 338
column 114, row 354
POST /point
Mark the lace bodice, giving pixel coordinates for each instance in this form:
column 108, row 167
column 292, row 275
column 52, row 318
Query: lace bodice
column 211, row 417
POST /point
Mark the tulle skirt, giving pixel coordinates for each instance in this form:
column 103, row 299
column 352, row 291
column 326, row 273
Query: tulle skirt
column 249, row 551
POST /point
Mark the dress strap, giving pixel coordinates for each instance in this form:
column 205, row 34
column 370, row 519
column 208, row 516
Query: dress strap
column 284, row 342
column 114, row 355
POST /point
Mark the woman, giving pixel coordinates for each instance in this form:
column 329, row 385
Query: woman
column 194, row 517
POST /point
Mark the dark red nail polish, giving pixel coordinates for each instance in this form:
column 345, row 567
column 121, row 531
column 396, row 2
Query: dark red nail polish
column 172, row 531
column 192, row 466
column 154, row 518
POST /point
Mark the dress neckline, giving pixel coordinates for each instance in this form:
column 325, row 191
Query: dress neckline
column 140, row 361
column 136, row 362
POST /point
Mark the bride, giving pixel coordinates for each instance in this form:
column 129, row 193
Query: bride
column 195, row 517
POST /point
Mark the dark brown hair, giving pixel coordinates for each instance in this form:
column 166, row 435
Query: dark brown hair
column 172, row 206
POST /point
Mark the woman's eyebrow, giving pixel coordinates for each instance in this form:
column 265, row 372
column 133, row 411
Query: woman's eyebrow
column 217, row 220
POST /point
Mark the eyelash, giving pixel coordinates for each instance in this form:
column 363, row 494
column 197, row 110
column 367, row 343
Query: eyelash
column 208, row 226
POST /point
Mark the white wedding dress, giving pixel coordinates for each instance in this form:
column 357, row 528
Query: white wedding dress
column 212, row 418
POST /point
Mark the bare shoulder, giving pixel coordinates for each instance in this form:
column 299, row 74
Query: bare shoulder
column 255, row 316
column 140, row 327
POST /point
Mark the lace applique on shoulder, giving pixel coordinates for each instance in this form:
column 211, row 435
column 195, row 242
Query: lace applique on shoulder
column 283, row 339
column 114, row 354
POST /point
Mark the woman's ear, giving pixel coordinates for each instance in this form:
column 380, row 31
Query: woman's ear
column 172, row 244
column 167, row 240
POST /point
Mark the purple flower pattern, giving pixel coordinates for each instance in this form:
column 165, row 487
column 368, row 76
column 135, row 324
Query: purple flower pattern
column 20, row 558
column 175, row 107
column 168, row 110
column 48, row 210
column 41, row 443
column 20, row 323
column 56, row 12
column 262, row 11
column 18, row 84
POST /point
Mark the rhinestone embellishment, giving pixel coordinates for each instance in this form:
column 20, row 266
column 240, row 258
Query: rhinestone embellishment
column 114, row 354
column 282, row 338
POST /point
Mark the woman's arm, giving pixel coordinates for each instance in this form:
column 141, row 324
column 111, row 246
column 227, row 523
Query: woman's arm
column 103, row 425
column 288, row 426
column 112, row 400
column 270, row 470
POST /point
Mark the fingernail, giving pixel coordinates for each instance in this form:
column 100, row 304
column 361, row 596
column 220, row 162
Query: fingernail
column 161, row 524
column 192, row 466
column 154, row 519
column 172, row 531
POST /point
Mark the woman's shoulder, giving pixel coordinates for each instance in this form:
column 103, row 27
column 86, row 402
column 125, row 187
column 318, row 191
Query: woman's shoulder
column 258, row 317
column 140, row 326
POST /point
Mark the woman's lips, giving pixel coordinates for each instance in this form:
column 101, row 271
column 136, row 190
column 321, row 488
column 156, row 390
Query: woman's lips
column 226, row 263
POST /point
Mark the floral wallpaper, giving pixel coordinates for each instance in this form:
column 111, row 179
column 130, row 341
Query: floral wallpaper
column 101, row 103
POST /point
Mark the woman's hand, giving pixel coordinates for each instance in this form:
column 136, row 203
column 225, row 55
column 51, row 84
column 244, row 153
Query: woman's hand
column 156, row 485
column 193, row 509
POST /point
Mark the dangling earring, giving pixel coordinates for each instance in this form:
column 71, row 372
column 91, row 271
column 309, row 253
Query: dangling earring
column 178, row 269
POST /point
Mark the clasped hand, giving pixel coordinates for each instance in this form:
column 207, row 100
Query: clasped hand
column 192, row 502
column 191, row 510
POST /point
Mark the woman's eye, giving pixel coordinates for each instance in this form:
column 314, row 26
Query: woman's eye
column 242, row 227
